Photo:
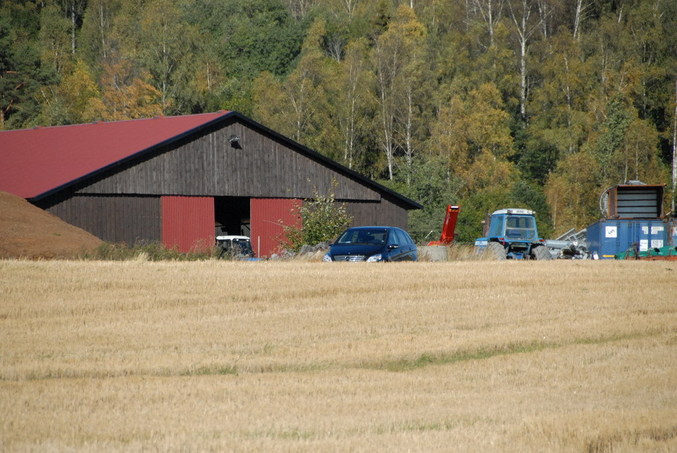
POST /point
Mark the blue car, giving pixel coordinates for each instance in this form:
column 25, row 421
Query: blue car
column 373, row 244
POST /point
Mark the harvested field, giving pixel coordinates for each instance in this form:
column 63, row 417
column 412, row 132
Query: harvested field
column 293, row 356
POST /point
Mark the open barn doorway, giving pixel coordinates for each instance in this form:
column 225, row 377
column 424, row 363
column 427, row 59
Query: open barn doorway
column 232, row 216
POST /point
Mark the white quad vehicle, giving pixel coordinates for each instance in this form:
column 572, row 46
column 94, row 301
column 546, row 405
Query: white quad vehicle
column 237, row 247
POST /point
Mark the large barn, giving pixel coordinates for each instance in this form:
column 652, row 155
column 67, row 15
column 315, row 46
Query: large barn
column 183, row 180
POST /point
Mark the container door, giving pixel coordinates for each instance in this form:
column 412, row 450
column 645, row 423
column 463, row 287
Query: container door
column 627, row 236
column 612, row 234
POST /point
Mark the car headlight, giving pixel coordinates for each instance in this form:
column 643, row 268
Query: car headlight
column 326, row 258
column 375, row 258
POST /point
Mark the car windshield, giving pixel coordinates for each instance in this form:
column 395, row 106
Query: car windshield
column 364, row 236
column 242, row 245
column 520, row 228
column 236, row 246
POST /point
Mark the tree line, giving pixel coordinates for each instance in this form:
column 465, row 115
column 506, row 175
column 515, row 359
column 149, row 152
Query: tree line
column 541, row 104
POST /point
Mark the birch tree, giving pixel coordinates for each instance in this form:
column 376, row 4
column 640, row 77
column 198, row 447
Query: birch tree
column 163, row 44
column 354, row 100
column 561, row 101
column 347, row 7
column 397, row 59
column 96, row 35
column 300, row 8
column 491, row 13
column 299, row 105
column 579, row 16
column 524, row 29
column 674, row 153
column 54, row 38
column 74, row 9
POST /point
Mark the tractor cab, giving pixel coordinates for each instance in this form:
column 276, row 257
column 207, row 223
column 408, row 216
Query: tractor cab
column 513, row 234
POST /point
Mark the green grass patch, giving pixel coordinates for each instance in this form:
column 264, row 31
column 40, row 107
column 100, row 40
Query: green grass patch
column 210, row 370
column 445, row 358
column 153, row 251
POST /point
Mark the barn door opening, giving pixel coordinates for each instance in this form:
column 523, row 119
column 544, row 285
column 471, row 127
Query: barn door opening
column 231, row 215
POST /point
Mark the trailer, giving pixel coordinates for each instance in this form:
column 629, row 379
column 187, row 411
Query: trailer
column 633, row 223
column 608, row 238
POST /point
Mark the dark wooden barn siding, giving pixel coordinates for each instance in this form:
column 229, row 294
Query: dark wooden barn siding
column 373, row 213
column 210, row 166
column 113, row 218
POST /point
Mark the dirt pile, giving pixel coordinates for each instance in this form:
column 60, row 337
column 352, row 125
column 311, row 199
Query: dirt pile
column 29, row 232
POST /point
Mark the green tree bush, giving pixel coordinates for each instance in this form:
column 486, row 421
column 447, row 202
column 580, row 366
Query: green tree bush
column 322, row 219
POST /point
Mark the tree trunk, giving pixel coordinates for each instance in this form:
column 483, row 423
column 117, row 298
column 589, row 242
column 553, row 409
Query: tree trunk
column 408, row 139
column 387, row 115
column 578, row 18
column 523, row 79
column 524, row 33
column 73, row 28
column 491, row 13
column 543, row 10
column 674, row 153
column 102, row 24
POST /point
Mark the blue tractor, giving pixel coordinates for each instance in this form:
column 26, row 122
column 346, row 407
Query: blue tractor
column 512, row 234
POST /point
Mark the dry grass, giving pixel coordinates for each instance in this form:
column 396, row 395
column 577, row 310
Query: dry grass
column 454, row 252
column 302, row 356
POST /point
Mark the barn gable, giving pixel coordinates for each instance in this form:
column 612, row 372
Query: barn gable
column 206, row 163
column 223, row 170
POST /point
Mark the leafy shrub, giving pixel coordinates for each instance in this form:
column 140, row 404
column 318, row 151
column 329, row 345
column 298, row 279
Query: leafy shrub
column 322, row 219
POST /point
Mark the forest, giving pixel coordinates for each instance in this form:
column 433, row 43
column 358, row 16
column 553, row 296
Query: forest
column 540, row 104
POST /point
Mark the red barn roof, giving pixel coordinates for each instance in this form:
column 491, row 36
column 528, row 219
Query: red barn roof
column 39, row 160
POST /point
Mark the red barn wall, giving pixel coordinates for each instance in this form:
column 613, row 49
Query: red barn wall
column 268, row 216
column 188, row 223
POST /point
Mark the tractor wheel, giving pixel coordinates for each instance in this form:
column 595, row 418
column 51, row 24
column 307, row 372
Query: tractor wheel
column 496, row 250
column 541, row 253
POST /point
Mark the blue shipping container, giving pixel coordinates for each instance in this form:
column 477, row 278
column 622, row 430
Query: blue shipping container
column 607, row 238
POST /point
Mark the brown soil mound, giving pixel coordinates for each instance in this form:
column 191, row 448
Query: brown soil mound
column 29, row 232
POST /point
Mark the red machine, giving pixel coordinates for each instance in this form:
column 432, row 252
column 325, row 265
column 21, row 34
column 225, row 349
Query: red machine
column 447, row 236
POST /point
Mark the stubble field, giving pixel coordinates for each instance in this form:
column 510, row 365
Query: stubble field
column 294, row 356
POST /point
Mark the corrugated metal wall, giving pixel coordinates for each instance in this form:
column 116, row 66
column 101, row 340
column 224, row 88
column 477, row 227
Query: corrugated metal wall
column 268, row 216
column 188, row 223
column 115, row 218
